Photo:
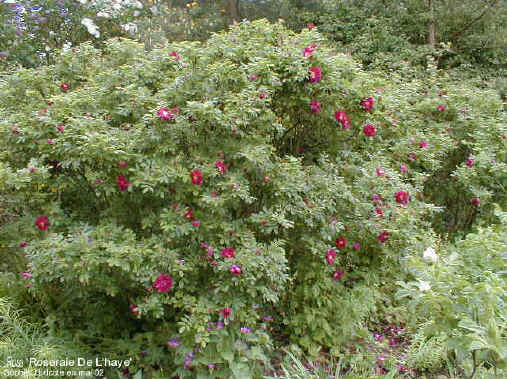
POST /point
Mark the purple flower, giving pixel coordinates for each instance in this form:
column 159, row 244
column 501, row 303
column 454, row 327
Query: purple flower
column 173, row 343
column 356, row 246
column 245, row 330
column 22, row 244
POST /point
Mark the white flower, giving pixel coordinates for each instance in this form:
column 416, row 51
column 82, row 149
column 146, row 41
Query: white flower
column 130, row 27
column 138, row 4
column 424, row 286
column 103, row 14
column 136, row 13
column 83, row 1
column 116, row 6
column 430, row 256
column 92, row 28
column 66, row 46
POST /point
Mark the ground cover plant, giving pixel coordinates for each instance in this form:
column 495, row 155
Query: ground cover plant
column 202, row 205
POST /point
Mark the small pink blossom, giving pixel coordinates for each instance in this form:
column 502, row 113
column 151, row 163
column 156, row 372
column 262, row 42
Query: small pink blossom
column 165, row 114
column 253, row 78
column 226, row 312
column 441, row 108
column 236, row 270
column 99, row 181
column 32, row 170
column 356, row 246
column 310, row 26
column 50, row 141
column 196, row 176
column 369, row 130
column 122, row 183
column 330, row 256
column 341, row 242
column 65, row 86
column 228, row 252
column 262, row 95
column 368, row 103
column 173, row 343
column 380, row 171
column 423, row 144
column 476, row 201
column 342, row 118
column 196, row 223
column 134, row 309
column 42, row 223
column 175, row 55
column 220, row 165
column 308, row 51
column 470, row 162
column 315, row 106
column 315, row 74
column 245, row 330
column 26, row 275
column 337, row 275
column 382, row 237
column 60, row 128
column 376, row 198
column 403, row 168
column 163, row 283
column 402, row 197
column 122, row 164
column 23, row 244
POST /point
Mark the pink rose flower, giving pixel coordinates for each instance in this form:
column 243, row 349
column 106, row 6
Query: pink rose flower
column 315, row 74
column 228, row 252
column 60, row 128
column 310, row 26
column 403, row 168
column 476, row 201
column 423, row 144
column 122, row 183
column 341, row 242
column 315, row 106
column 122, row 164
column 330, row 256
column 441, row 108
column 356, row 246
column 163, row 283
column 380, row 171
column 175, row 55
column 342, row 118
column 236, row 270
column 65, row 86
column 196, row 176
column 337, row 275
column 402, row 197
column 308, row 51
column 42, row 223
column 369, row 130
column 382, row 237
column 226, row 312
column 26, row 275
column 368, row 103
column 470, row 162
column 165, row 114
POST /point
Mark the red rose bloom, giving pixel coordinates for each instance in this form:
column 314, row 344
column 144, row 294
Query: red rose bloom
column 228, row 252
column 369, row 130
column 308, row 51
column 470, row 162
column 423, row 144
column 196, row 176
column 342, row 118
column 175, row 55
column 236, row 270
column 367, row 104
column 220, row 165
column 165, row 114
column 60, row 128
column 226, row 312
column 382, row 237
column 315, row 106
column 441, row 108
column 122, row 183
column 341, row 242
column 476, row 201
column 337, row 275
column 310, row 26
column 164, row 283
column 330, row 256
column 402, row 197
column 42, row 223
column 189, row 214
column 134, row 309
column 65, row 86
column 315, row 74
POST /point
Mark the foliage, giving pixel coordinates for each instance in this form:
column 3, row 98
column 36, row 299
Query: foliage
column 462, row 297
column 206, row 202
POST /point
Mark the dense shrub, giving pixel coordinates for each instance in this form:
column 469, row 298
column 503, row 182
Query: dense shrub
column 183, row 207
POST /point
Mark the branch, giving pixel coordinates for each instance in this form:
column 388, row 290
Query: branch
column 460, row 32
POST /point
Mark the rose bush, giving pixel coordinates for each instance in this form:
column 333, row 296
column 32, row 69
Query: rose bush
column 191, row 203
